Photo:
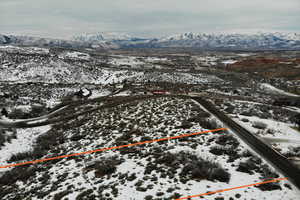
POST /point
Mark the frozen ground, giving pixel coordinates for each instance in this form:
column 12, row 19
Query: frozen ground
column 271, row 89
column 24, row 141
column 159, row 170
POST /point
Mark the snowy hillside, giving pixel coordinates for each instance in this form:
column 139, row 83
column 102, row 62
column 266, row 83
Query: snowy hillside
column 49, row 42
column 77, row 67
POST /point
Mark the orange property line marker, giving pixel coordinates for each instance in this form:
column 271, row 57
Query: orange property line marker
column 234, row 188
column 109, row 148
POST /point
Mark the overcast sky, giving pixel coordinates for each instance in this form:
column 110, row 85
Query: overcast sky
column 65, row 18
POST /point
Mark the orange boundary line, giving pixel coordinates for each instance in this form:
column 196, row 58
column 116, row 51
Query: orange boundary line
column 234, row 188
column 109, row 148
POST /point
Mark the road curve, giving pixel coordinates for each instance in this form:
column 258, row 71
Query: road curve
column 282, row 164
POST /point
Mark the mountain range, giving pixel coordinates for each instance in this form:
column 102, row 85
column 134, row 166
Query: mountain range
column 106, row 40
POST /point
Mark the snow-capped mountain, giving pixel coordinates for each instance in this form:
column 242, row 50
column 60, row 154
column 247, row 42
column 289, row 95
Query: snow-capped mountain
column 200, row 40
column 105, row 36
column 235, row 41
column 122, row 40
column 231, row 41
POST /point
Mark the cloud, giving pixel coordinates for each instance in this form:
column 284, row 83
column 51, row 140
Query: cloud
column 64, row 18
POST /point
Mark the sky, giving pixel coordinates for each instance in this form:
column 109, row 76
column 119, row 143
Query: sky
column 66, row 18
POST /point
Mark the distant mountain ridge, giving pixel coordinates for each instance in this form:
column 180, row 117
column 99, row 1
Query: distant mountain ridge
column 106, row 36
column 231, row 41
column 107, row 40
column 49, row 42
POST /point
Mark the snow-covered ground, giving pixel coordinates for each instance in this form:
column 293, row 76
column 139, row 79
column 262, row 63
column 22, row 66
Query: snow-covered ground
column 59, row 71
column 75, row 55
column 142, row 171
column 24, row 142
column 28, row 50
column 228, row 62
column 282, row 135
column 271, row 89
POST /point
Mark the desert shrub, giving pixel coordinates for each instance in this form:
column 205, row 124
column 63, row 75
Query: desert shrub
column 271, row 131
column 250, row 165
column 17, row 174
column 49, row 139
column 220, row 175
column 203, row 169
column 230, row 151
column 192, row 167
column 269, row 186
column 293, row 152
column 267, row 173
column 198, row 168
column 245, row 120
column 38, row 110
column 208, row 123
column 227, row 140
column 77, row 137
column 105, row 167
column 167, row 159
column 7, row 134
column 185, row 125
column 2, row 137
column 217, row 150
column 246, row 153
column 246, row 167
column 20, row 156
column 249, row 113
column 229, row 109
column 86, row 195
column 259, row 125
column 60, row 195
column 18, row 114
column 30, row 155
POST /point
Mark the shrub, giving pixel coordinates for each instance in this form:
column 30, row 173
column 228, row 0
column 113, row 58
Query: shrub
column 2, row 137
column 38, row 110
column 105, row 167
column 17, row 174
column 17, row 114
column 185, row 125
column 267, row 173
column 198, row 168
column 167, row 159
column 248, row 166
column 208, row 124
column 259, row 125
column 269, row 186
column 6, row 135
column 20, row 156
column 220, row 175
column 217, row 150
column 227, row 140
column 88, row 194
column 246, row 153
column 229, row 109
column 60, row 195
column 245, row 120
column 203, row 115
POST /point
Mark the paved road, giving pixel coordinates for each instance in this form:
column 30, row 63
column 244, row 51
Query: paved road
column 288, row 169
